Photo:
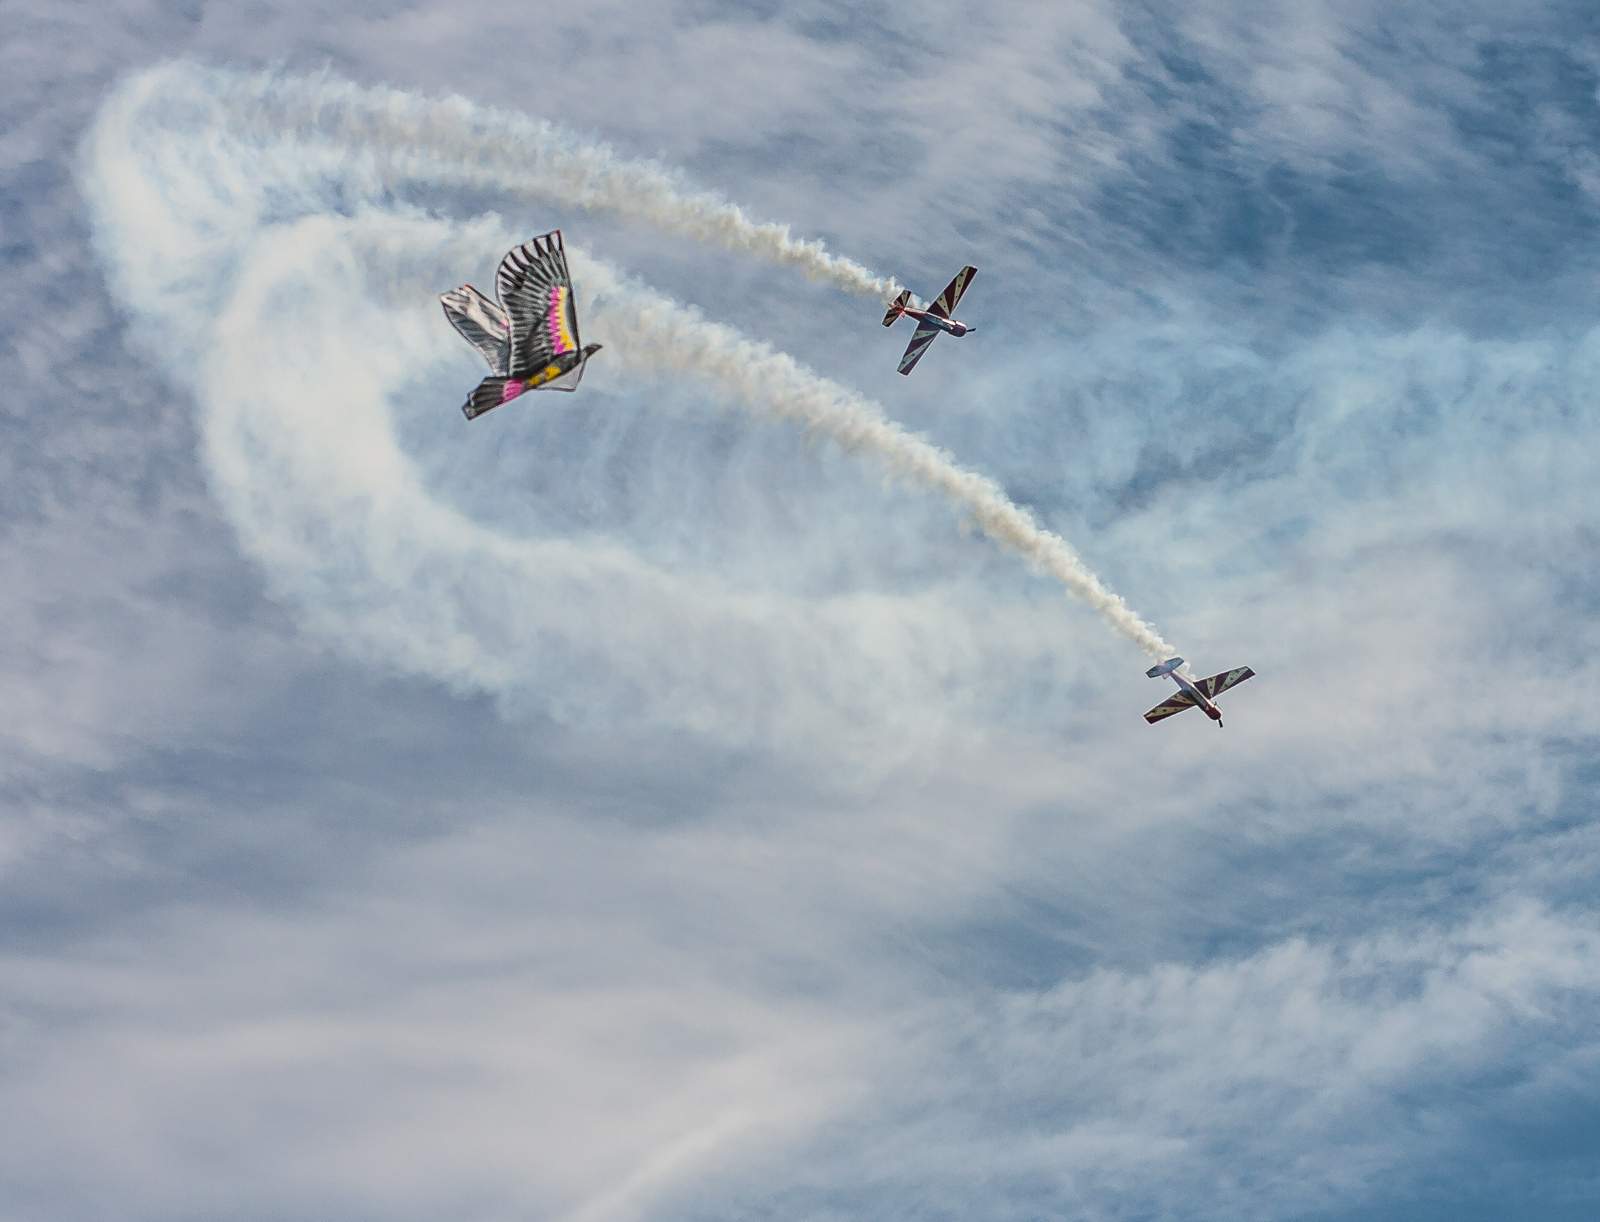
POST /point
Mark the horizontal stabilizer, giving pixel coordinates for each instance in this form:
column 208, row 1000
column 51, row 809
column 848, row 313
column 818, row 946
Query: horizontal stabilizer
column 1169, row 706
column 897, row 310
column 1164, row 668
column 1217, row 684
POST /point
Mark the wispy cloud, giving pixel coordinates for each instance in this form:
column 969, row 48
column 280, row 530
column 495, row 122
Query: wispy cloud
column 1285, row 320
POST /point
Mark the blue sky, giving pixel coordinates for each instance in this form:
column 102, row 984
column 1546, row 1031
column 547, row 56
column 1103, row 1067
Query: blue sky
column 765, row 842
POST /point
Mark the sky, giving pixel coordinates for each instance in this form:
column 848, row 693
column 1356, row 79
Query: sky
column 655, row 802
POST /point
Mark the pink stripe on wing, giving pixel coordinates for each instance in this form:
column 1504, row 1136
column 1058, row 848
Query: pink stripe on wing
column 560, row 338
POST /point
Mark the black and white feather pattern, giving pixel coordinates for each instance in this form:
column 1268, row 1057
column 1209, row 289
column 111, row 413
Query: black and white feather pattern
column 531, row 338
column 482, row 324
column 525, row 281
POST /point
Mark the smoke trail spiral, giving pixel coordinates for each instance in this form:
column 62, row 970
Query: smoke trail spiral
column 183, row 159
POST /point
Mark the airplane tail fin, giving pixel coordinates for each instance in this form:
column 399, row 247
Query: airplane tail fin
column 898, row 309
column 1164, row 668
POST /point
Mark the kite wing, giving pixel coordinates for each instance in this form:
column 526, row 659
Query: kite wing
column 536, row 291
column 1169, row 706
column 952, row 294
column 538, row 319
column 481, row 323
column 925, row 334
column 1217, row 684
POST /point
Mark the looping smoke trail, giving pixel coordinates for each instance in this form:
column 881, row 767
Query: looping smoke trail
column 452, row 141
column 361, row 143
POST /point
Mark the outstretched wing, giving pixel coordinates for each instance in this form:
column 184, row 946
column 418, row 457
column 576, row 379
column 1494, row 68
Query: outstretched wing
column 1217, row 684
column 1169, row 706
column 925, row 334
column 481, row 323
column 536, row 291
column 952, row 293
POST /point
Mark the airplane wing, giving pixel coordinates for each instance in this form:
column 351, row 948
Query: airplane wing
column 481, row 323
column 1217, row 684
column 952, row 293
column 536, row 291
column 925, row 334
column 1173, row 704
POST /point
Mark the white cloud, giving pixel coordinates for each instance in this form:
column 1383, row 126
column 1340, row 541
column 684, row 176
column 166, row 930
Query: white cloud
column 288, row 935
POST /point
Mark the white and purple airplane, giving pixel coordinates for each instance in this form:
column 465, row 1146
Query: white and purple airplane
column 934, row 319
column 1194, row 693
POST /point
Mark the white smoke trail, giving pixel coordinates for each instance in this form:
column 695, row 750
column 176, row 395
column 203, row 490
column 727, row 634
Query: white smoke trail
column 657, row 336
column 184, row 163
column 380, row 137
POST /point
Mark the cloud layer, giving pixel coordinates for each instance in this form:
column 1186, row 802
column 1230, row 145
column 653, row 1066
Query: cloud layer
column 234, row 249
column 845, row 880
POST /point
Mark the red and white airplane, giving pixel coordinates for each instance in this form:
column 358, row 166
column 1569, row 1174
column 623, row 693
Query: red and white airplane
column 934, row 319
column 1195, row 693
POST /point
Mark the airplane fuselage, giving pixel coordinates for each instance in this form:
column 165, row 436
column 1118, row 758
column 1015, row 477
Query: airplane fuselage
column 948, row 325
column 1195, row 694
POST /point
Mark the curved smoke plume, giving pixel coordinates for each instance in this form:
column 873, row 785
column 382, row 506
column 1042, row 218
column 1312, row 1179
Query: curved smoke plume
column 218, row 197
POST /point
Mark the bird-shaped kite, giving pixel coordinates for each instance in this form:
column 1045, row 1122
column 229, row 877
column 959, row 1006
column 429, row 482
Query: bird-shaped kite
column 531, row 339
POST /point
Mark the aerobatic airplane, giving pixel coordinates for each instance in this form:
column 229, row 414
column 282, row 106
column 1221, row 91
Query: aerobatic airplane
column 934, row 319
column 531, row 339
column 1197, row 693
